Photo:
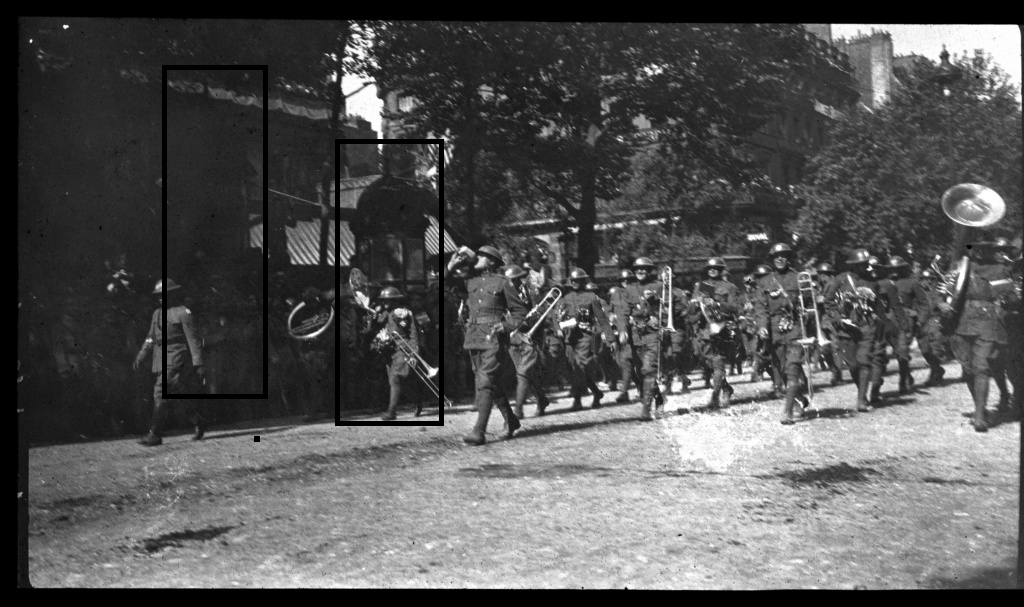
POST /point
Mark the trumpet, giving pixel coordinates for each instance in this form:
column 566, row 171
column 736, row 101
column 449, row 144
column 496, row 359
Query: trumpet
column 424, row 371
column 548, row 303
column 666, row 296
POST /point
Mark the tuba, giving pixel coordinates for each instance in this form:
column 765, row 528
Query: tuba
column 310, row 322
column 969, row 205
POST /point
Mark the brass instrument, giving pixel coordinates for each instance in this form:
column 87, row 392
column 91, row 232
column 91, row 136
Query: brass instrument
column 809, row 306
column 424, row 371
column 666, row 296
column 305, row 326
column 808, row 301
column 714, row 318
column 549, row 302
column 973, row 205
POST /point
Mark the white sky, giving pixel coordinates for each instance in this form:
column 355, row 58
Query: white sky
column 1003, row 42
column 1000, row 41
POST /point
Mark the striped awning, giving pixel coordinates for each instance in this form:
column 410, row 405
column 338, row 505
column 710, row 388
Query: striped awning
column 433, row 238
column 304, row 242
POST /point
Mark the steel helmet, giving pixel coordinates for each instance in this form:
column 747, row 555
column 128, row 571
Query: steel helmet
column 590, row 287
column 873, row 260
column 578, row 274
column 391, row 293
column 762, row 271
column 489, row 251
column 826, row 268
column 715, row 262
column 927, row 274
column 627, row 275
column 896, row 262
column 780, row 248
column 514, row 271
column 171, row 285
column 643, row 262
column 858, row 256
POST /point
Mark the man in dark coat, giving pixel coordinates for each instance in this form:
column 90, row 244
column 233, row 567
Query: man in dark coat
column 184, row 360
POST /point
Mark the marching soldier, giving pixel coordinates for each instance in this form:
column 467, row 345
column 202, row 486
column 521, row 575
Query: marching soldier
column 980, row 339
column 401, row 321
column 715, row 301
column 910, row 295
column 645, row 327
column 778, row 314
column 623, row 300
column 605, row 360
column 581, row 338
column 491, row 295
column 675, row 342
column 826, row 276
column 525, row 351
column 929, row 335
column 854, row 310
column 1014, row 323
column 748, row 327
column 184, row 360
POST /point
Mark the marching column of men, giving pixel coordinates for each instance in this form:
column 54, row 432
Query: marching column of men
column 863, row 312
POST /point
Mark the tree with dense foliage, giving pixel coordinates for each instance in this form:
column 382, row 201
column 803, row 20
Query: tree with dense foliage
column 559, row 103
column 879, row 182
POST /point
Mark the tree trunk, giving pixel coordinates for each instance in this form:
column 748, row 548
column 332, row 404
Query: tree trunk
column 586, row 248
column 337, row 111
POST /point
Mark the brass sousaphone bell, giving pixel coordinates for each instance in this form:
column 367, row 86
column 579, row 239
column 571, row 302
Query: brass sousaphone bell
column 973, row 205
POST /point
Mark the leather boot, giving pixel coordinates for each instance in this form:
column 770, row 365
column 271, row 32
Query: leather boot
column 478, row 435
column 647, row 400
column 863, row 381
column 200, row 427
column 598, row 395
column 877, row 380
column 837, row 376
column 787, row 411
column 151, row 440
column 622, row 398
column 727, row 392
column 511, row 419
column 518, row 410
column 577, row 404
column 905, row 377
column 542, row 404
column 667, row 391
column 980, row 401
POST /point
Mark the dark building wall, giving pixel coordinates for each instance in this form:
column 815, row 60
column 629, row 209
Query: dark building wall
column 872, row 60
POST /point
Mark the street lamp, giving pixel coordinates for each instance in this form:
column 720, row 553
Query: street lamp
column 945, row 77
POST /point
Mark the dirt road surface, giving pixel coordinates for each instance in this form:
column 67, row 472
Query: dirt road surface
column 906, row 496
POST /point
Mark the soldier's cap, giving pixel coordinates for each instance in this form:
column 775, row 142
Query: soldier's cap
column 171, row 285
column 489, row 251
column 825, row 268
column 391, row 293
column 514, row 271
column 762, row 270
column 643, row 263
column 590, row 287
column 858, row 256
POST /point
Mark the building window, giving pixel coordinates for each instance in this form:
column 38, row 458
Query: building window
column 405, row 103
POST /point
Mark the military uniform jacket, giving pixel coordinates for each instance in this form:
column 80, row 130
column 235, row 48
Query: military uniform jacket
column 532, row 296
column 846, row 283
column 182, row 338
column 982, row 315
column 403, row 322
column 580, row 305
column 909, row 297
column 625, row 304
column 779, row 299
column 726, row 294
column 490, row 296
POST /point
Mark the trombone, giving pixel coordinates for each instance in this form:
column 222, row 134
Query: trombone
column 424, row 371
column 548, row 303
column 809, row 307
column 666, row 295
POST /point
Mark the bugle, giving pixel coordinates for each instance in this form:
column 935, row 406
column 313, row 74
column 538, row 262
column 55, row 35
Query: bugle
column 424, row 371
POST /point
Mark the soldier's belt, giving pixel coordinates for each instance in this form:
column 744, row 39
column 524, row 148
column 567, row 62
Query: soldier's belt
column 484, row 320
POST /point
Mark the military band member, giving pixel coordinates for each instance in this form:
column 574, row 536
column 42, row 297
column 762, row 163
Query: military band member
column 910, row 295
column 623, row 300
column 605, row 359
column 581, row 337
column 1010, row 255
column 748, row 326
column 980, row 339
column 491, row 296
column 718, row 301
column 854, row 310
column 398, row 319
column 675, row 343
column 778, row 314
column 525, row 351
column 929, row 335
column 646, row 330
column 184, row 360
column 826, row 276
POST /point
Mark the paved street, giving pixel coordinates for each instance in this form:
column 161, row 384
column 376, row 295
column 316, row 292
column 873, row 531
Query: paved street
column 907, row 496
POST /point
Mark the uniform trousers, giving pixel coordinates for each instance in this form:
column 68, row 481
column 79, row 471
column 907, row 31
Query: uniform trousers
column 180, row 380
column 857, row 347
column 716, row 351
column 526, row 357
column 584, row 369
column 490, row 368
